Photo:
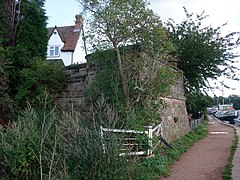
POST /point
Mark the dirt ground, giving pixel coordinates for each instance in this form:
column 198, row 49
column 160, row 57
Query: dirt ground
column 207, row 159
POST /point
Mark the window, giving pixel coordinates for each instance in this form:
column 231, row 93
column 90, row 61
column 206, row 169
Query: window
column 53, row 51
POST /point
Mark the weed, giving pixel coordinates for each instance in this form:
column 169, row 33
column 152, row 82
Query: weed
column 159, row 166
column 227, row 175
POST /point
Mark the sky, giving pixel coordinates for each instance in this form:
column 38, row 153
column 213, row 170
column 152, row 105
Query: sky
column 62, row 13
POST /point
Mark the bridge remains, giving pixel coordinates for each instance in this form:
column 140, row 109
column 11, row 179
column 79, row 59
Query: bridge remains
column 174, row 116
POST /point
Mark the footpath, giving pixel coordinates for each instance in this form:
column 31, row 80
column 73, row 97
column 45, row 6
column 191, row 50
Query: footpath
column 207, row 159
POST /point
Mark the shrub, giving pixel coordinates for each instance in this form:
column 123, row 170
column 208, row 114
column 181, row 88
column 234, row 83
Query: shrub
column 42, row 77
column 47, row 144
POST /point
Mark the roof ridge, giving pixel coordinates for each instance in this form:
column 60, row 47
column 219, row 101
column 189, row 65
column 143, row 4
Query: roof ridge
column 60, row 26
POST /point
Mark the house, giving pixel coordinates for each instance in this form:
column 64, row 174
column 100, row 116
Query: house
column 66, row 43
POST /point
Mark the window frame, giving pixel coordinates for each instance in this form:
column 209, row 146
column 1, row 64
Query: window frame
column 54, row 51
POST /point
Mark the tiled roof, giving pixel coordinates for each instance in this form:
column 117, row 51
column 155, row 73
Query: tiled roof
column 69, row 36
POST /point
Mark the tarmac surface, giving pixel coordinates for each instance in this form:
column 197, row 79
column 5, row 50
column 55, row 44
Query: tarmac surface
column 207, row 158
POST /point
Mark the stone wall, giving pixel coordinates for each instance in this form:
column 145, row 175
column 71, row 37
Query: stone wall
column 174, row 115
column 77, row 78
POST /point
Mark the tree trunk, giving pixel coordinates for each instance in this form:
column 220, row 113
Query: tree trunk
column 122, row 76
column 13, row 9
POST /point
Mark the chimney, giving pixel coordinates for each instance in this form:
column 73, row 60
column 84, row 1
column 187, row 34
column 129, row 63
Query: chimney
column 78, row 23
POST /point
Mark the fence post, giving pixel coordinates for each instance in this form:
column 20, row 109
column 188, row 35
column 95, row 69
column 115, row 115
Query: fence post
column 102, row 139
column 150, row 135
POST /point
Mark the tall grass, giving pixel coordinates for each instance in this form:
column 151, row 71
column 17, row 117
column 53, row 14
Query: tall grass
column 227, row 174
column 47, row 144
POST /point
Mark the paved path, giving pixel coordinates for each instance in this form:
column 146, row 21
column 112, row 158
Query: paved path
column 236, row 159
column 207, row 159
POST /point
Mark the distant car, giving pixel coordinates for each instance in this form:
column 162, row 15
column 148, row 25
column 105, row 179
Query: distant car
column 237, row 119
column 228, row 115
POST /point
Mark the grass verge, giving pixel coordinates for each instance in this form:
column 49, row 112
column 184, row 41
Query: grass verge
column 227, row 174
column 159, row 166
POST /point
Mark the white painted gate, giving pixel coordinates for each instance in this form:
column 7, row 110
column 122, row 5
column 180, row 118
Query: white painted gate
column 130, row 139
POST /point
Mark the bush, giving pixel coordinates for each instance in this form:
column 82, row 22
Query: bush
column 48, row 145
column 42, row 77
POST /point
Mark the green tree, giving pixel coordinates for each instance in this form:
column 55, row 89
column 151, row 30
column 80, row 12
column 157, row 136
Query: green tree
column 202, row 52
column 197, row 103
column 29, row 39
column 132, row 48
column 32, row 31
column 235, row 100
column 4, row 28
column 5, row 100
column 117, row 23
column 24, row 39
column 43, row 77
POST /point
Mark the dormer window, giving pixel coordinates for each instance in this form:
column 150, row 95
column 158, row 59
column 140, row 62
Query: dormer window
column 53, row 51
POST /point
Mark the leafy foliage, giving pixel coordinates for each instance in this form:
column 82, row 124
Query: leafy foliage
column 118, row 23
column 202, row 52
column 148, row 80
column 32, row 31
column 197, row 103
column 48, row 145
column 5, row 24
column 24, row 40
column 235, row 100
column 42, row 77
column 31, row 40
column 133, row 76
column 5, row 100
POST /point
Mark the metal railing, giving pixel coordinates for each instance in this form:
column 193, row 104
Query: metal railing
column 194, row 123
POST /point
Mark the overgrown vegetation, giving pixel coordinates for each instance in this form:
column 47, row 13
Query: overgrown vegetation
column 135, row 73
column 42, row 77
column 153, row 168
column 227, row 174
column 118, row 23
column 46, row 145
column 138, row 62
column 25, row 74
column 148, row 81
column 205, row 48
column 5, row 99
column 197, row 103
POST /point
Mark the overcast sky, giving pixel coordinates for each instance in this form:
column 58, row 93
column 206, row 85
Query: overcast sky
column 63, row 13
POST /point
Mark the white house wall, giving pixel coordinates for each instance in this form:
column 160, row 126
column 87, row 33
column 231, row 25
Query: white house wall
column 55, row 40
column 79, row 53
column 67, row 58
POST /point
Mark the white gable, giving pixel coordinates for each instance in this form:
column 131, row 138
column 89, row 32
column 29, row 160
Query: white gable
column 79, row 53
column 54, row 52
column 55, row 39
column 55, row 44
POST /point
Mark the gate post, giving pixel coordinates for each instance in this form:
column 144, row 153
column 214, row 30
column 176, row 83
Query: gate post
column 150, row 135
